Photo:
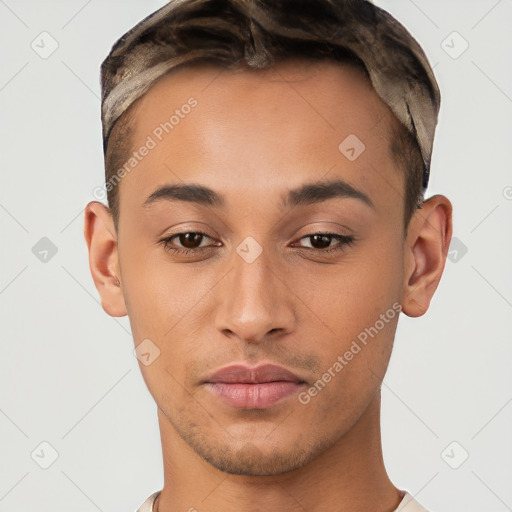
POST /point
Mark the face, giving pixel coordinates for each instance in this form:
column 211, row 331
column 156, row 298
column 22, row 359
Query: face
column 254, row 271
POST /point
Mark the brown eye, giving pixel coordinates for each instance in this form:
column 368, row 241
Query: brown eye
column 187, row 242
column 190, row 240
column 322, row 241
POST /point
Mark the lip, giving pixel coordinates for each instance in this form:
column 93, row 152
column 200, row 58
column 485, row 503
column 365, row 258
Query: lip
column 257, row 387
column 242, row 374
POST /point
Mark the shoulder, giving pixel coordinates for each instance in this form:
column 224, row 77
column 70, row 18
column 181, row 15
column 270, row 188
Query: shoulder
column 409, row 504
column 147, row 506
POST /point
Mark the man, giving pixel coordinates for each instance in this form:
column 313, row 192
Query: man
column 266, row 164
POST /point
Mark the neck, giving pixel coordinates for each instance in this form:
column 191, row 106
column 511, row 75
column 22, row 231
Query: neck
column 348, row 476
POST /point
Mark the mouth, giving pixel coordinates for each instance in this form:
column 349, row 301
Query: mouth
column 253, row 388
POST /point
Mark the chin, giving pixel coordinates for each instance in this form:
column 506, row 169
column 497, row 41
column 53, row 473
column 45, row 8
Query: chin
column 262, row 456
column 251, row 461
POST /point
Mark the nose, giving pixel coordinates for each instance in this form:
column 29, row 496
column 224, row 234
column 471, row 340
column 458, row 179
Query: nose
column 255, row 302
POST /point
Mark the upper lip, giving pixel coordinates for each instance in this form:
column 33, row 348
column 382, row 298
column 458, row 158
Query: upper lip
column 239, row 373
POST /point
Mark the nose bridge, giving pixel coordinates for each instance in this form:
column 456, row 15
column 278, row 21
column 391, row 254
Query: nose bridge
column 254, row 299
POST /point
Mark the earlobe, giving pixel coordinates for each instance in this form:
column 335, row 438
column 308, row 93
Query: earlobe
column 101, row 239
column 428, row 241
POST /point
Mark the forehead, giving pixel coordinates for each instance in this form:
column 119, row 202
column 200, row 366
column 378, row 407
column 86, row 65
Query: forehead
column 263, row 131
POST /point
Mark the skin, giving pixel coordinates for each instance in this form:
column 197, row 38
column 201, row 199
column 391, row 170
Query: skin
column 253, row 136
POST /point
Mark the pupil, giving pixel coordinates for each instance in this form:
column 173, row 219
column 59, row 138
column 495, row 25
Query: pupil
column 187, row 240
column 322, row 238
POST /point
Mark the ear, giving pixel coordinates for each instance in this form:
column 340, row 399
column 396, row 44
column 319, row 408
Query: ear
column 101, row 238
column 428, row 240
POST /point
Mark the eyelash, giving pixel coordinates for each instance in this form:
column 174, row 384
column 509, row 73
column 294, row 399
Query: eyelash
column 344, row 240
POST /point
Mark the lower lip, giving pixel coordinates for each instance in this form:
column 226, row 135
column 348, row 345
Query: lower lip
column 254, row 396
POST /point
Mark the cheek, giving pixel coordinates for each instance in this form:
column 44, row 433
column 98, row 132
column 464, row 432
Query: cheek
column 353, row 365
column 353, row 311
column 345, row 297
column 157, row 293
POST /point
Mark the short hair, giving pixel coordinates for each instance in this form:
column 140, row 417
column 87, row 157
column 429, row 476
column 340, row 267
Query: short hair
column 257, row 34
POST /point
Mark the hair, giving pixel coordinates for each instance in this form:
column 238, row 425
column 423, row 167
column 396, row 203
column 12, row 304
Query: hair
column 257, row 34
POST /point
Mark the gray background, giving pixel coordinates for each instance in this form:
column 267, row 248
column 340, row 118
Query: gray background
column 68, row 376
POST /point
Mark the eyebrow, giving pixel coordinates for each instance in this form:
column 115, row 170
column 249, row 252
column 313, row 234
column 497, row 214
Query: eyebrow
column 308, row 193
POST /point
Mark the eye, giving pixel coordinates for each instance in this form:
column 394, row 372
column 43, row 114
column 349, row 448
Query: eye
column 322, row 241
column 189, row 242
